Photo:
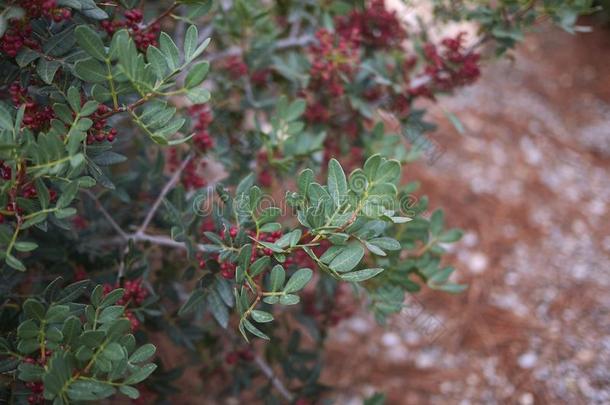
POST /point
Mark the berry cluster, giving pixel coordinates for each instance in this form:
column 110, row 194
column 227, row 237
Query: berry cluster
column 16, row 37
column 375, row 26
column 45, row 8
column 331, row 311
column 202, row 118
column 99, row 131
column 236, row 67
column 260, row 77
column 142, row 36
column 36, row 116
column 316, row 113
column 191, row 177
column 332, row 59
column 267, row 237
column 37, row 387
column 265, row 176
column 227, row 269
column 6, row 173
column 234, row 356
column 451, row 67
column 350, row 160
column 19, row 32
column 135, row 294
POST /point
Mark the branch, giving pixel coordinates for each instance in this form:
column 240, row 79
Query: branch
column 105, row 213
column 277, row 383
column 281, row 44
column 266, row 370
column 166, row 189
column 161, row 16
column 155, row 239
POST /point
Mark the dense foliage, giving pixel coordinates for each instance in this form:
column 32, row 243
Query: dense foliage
column 266, row 199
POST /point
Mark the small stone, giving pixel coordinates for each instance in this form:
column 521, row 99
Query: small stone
column 477, row 262
column 390, row 339
column 526, row 398
column 585, row 356
column 527, row 360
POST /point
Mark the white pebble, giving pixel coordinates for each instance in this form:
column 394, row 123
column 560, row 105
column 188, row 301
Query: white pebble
column 528, row 360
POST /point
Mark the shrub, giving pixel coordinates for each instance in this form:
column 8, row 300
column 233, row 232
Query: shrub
column 264, row 197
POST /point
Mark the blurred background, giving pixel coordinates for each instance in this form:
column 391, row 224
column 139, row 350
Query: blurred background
column 528, row 179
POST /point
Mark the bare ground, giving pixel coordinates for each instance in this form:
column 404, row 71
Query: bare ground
column 529, row 181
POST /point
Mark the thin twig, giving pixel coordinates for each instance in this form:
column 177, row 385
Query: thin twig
column 155, row 239
column 161, row 16
column 166, row 189
column 265, row 369
column 281, row 44
column 105, row 213
column 277, row 383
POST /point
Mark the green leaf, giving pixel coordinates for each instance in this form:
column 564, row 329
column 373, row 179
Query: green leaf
column 91, row 10
column 278, row 275
column 30, row 372
column 67, row 195
column 361, row 275
column 90, row 41
column 261, row 316
column 374, row 249
column 170, row 50
column 259, row 265
column 73, row 97
column 28, row 329
column 198, row 95
column 190, row 42
column 201, row 48
column 143, row 353
column 348, row 258
column 298, row 280
column 371, row 166
column 90, row 71
column 71, row 329
column 218, row 308
column 65, row 213
column 436, row 222
column 337, row 183
column 157, row 60
column 113, row 351
column 295, row 110
column 89, row 390
column 141, row 374
column 386, row 243
column 25, row 246
column 112, row 297
column 273, row 246
column 111, row 313
column 271, row 227
column 254, row 330
column 57, row 313
column 36, row 219
column 388, row 172
column 129, row 391
column 289, row 299
column 6, row 120
column 109, row 158
column 46, row 69
column 26, row 56
column 450, row 236
column 196, row 75
column 33, row 309
column 89, row 108
column 304, row 180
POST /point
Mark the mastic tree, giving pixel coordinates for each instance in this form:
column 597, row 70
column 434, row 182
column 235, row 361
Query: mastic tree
column 140, row 197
